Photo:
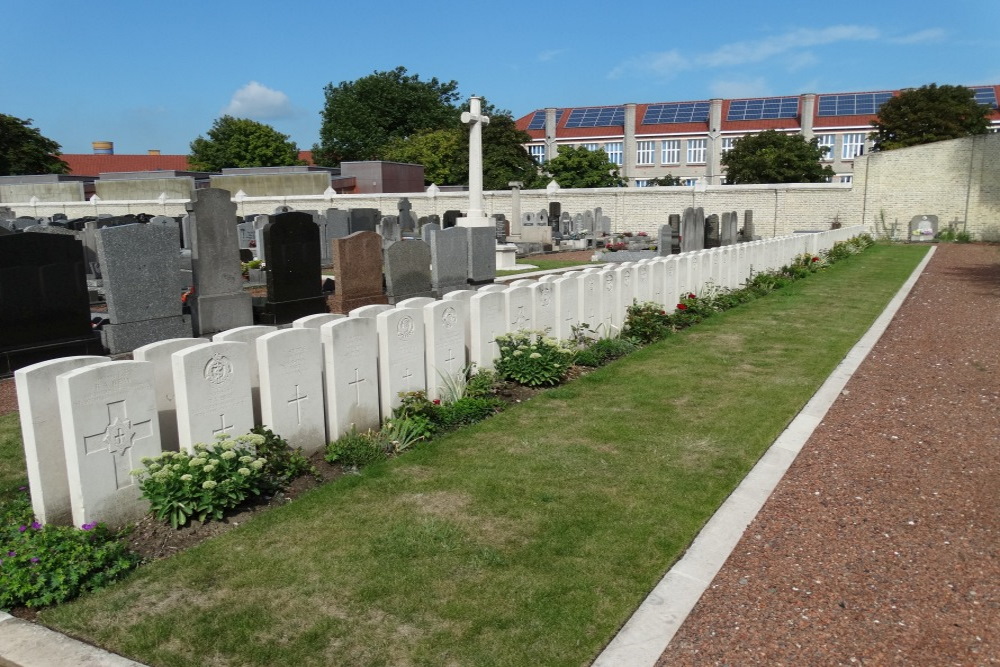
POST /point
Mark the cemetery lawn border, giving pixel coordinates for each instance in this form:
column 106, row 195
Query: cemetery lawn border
column 12, row 466
column 546, row 264
column 528, row 538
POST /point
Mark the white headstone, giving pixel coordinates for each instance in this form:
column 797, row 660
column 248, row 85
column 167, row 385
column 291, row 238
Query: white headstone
column 566, row 306
column 643, row 282
column 401, row 364
column 445, row 337
column 291, row 387
column 589, row 293
column 315, row 321
column 543, row 311
column 370, row 311
column 159, row 354
column 459, row 295
column 109, row 421
column 248, row 335
column 610, row 301
column 417, row 302
column 656, row 278
column 488, row 319
column 212, row 385
column 42, row 435
column 350, row 346
column 523, row 282
column 518, row 309
column 495, row 287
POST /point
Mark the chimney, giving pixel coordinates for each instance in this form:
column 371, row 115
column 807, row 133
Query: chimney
column 103, row 147
column 153, row 151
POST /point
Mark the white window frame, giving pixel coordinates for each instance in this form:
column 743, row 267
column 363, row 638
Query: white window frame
column 853, row 145
column 671, row 151
column 591, row 147
column 827, row 141
column 614, row 150
column 689, row 181
column 847, row 178
column 537, row 152
column 727, row 144
column 645, row 152
column 696, row 151
column 642, row 182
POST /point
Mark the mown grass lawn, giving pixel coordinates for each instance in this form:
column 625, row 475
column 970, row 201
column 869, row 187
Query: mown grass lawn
column 527, row 539
column 539, row 264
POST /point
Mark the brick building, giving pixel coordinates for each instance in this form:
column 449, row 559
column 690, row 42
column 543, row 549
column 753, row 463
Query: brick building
column 687, row 139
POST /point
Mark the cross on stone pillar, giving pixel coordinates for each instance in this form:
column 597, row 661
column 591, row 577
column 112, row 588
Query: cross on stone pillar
column 297, row 401
column 475, row 119
column 117, row 440
column 356, row 383
column 222, row 423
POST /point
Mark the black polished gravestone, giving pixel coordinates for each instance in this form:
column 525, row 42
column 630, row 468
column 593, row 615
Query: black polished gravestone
column 294, row 273
column 44, row 305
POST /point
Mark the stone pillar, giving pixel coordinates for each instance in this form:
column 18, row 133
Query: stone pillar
column 713, row 146
column 551, row 119
column 628, row 145
column 807, row 109
column 475, row 119
column 515, row 208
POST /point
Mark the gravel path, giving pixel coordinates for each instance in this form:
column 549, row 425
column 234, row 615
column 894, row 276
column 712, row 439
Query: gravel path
column 881, row 543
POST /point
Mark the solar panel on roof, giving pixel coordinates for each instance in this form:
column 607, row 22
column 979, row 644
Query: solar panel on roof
column 772, row 107
column 676, row 112
column 851, row 104
column 596, row 117
column 538, row 120
column 986, row 95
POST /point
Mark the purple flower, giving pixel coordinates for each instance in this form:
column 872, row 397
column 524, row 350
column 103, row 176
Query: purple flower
column 34, row 560
column 89, row 526
column 35, row 525
column 23, row 528
column 22, row 488
column 11, row 553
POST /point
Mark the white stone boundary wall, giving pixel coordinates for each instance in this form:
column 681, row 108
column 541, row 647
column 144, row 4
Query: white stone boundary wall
column 105, row 428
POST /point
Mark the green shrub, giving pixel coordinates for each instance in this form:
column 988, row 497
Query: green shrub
column 283, row 463
column 646, row 322
column 531, row 359
column 691, row 310
column 43, row 565
column 482, row 383
column 216, row 478
column 468, row 410
column 357, row 449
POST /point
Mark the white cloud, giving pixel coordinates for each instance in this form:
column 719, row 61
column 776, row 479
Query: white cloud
column 921, row 37
column 551, row 54
column 735, row 89
column 665, row 63
column 257, row 101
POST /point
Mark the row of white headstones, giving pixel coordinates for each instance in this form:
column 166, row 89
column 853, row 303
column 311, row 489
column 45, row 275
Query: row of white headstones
column 87, row 421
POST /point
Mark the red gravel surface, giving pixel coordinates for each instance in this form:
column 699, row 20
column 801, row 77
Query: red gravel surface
column 882, row 543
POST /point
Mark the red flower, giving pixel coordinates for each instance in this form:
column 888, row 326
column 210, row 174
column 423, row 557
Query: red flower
column 663, row 312
column 436, row 401
column 691, row 296
column 815, row 259
column 682, row 306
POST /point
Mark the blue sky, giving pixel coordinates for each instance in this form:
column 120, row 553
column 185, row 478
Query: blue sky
column 155, row 75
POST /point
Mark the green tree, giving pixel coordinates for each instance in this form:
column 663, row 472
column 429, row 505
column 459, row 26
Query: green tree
column 504, row 156
column 775, row 157
column 361, row 117
column 668, row 180
column 578, row 167
column 439, row 151
column 928, row 114
column 24, row 151
column 240, row 142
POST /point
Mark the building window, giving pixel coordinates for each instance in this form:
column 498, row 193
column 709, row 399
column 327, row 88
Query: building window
column 537, row 152
column 689, row 181
column 642, row 183
column 591, row 147
column 614, row 151
column 827, row 141
column 644, row 151
column 846, row 178
column 727, row 144
column 671, row 152
column 853, row 146
column 696, row 151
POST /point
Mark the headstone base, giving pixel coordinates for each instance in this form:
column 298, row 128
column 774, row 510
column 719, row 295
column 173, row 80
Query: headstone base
column 339, row 304
column 285, row 312
column 12, row 359
column 221, row 312
column 126, row 336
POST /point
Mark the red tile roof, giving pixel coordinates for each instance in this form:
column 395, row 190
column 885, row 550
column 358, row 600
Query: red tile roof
column 88, row 164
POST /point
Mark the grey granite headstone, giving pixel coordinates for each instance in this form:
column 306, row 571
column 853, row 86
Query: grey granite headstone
column 692, row 230
column 139, row 264
column 566, row 223
column 407, row 221
column 712, row 231
column 50, row 229
column 407, row 266
column 390, row 231
column 338, row 223
column 542, row 219
column 364, row 219
column 449, row 260
column 428, row 230
column 258, row 233
column 588, row 223
column 527, row 219
column 674, row 221
column 482, row 255
column 727, row 230
column 663, row 241
column 245, row 232
column 747, row 233
column 218, row 302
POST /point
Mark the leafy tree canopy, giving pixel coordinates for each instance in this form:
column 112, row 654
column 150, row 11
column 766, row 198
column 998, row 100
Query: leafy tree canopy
column 24, row 151
column 668, row 179
column 928, row 114
column 240, row 142
column 775, row 157
column 578, row 167
column 439, row 151
column 361, row 117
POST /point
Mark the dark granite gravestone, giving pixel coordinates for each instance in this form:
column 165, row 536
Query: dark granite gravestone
column 712, row 226
column 450, row 218
column 432, row 219
column 407, row 221
column 294, row 276
column 566, row 223
column 407, row 270
column 338, row 223
column 4, row 231
column 555, row 212
column 44, row 305
column 364, row 219
column 747, row 233
column 449, row 260
column 674, row 220
column 503, row 228
column 357, row 271
column 246, row 255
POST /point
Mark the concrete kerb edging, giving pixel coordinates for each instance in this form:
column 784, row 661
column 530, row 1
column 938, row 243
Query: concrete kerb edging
column 25, row 644
column 647, row 633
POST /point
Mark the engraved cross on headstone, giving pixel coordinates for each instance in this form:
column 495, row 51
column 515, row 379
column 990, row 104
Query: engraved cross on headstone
column 450, row 359
column 117, row 440
column 297, row 400
column 222, row 426
column 356, row 383
column 519, row 320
